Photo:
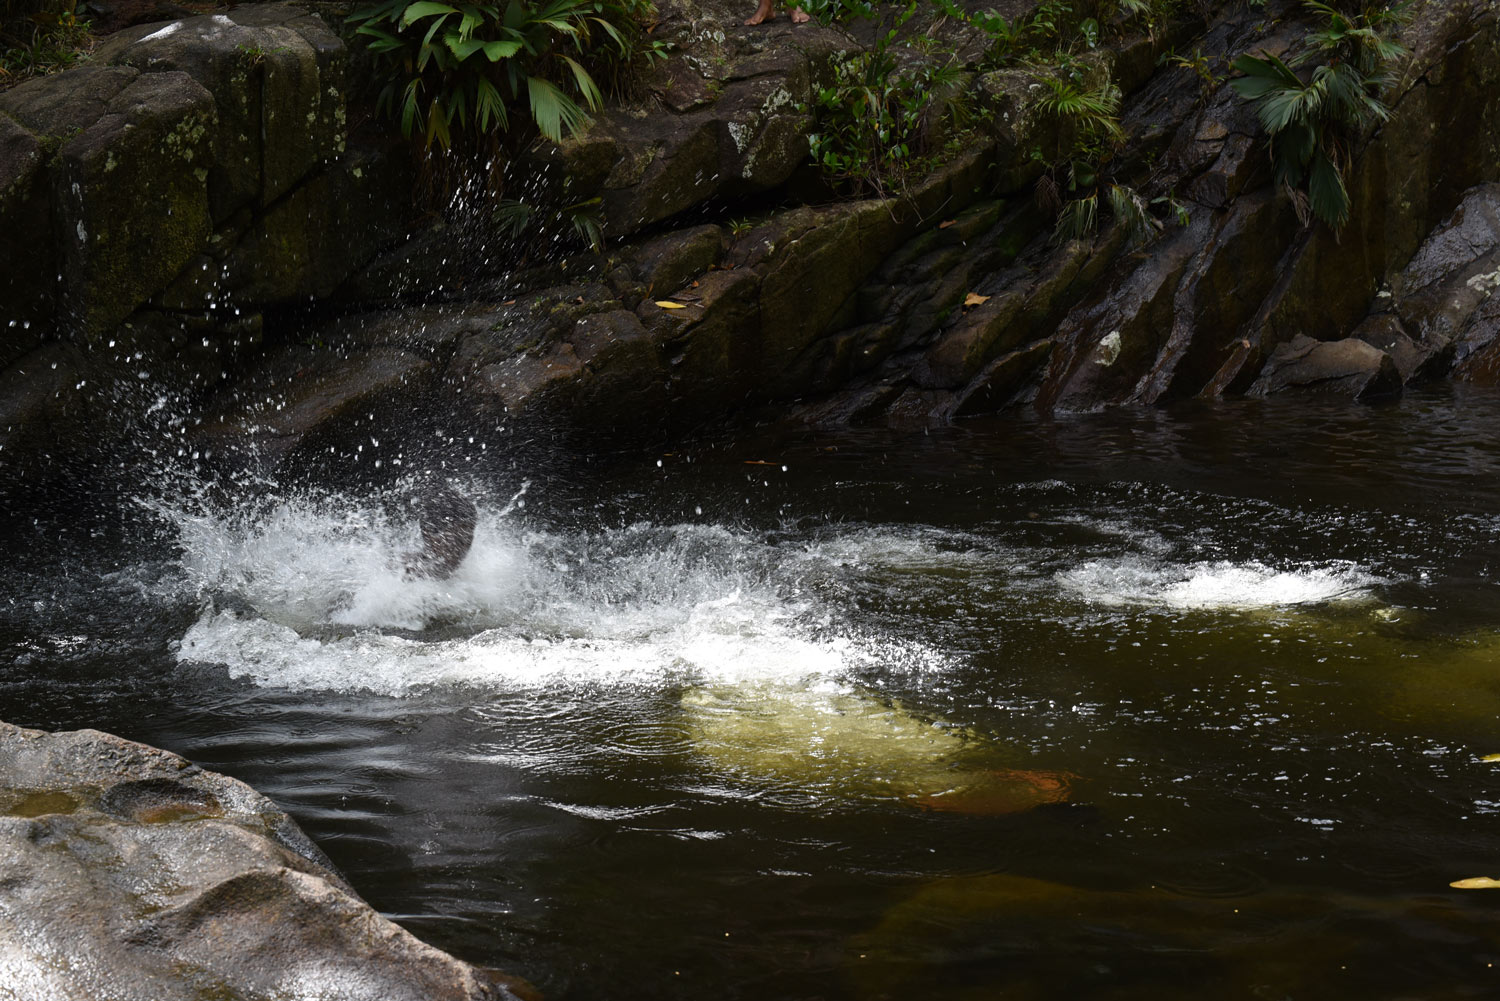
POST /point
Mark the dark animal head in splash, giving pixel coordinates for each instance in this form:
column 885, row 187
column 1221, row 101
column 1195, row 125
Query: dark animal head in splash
column 446, row 518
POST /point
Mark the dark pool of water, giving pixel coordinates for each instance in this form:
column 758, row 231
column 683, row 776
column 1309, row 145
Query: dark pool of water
column 761, row 719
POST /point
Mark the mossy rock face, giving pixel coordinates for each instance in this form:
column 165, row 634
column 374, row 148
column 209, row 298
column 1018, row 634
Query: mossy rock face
column 59, row 107
column 129, row 208
column 812, row 273
column 276, row 75
column 660, row 174
column 712, row 345
column 668, row 262
column 765, row 131
column 310, row 242
column 593, row 373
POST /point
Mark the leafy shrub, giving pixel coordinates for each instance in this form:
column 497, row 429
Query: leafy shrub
column 1312, row 116
column 468, row 66
column 1024, row 37
column 877, row 120
column 1088, row 134
column 1078, row 183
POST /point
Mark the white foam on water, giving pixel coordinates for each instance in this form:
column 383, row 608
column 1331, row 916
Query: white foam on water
column 1215, row 585
column 310, row 594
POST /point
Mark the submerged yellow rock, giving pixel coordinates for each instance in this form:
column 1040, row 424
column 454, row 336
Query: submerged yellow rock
column 839, row 742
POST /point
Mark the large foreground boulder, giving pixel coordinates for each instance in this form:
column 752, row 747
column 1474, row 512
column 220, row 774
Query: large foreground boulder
column 131, row 874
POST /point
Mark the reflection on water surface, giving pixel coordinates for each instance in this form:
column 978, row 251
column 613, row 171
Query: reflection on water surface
column 1121, row 706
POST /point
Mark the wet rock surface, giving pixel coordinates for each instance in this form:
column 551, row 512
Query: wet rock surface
column 1444, row 297
column 724, row 117
column 305, row 398
column 1351, row 368
column 127, row 872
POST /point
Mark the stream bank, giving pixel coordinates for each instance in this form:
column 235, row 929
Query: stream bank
column 197, row 232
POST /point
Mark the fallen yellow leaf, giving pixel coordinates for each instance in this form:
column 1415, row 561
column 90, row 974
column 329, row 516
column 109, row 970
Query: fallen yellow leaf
column 975, row 299
column 1490, row 757
column 1476, row 883
column 669, row 304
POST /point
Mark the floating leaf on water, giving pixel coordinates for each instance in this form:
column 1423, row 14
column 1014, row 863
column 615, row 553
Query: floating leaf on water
column 669, row 304
column 1476, row 883
column 975, row 299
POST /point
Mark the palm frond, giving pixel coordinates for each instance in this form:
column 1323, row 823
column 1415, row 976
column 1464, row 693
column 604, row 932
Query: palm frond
column 1326, row 193
column 555, row 113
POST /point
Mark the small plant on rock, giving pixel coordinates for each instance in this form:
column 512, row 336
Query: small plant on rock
column 518, row 220
column 1202, row 67
column 877, row 122
column 37, row 38
column 1088, row 134
column 1078, row 184
column 1314, row 114
column 1152, row 15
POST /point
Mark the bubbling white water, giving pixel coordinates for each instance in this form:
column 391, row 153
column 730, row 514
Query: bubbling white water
column 1143, row 581
column 309, row 593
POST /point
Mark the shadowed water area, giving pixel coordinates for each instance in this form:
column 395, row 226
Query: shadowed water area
column 1120, row 706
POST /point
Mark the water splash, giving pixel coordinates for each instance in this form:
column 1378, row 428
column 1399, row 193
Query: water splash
column 309, row 592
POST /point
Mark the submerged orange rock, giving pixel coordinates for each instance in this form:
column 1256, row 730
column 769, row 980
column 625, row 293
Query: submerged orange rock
column 1001, row 791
